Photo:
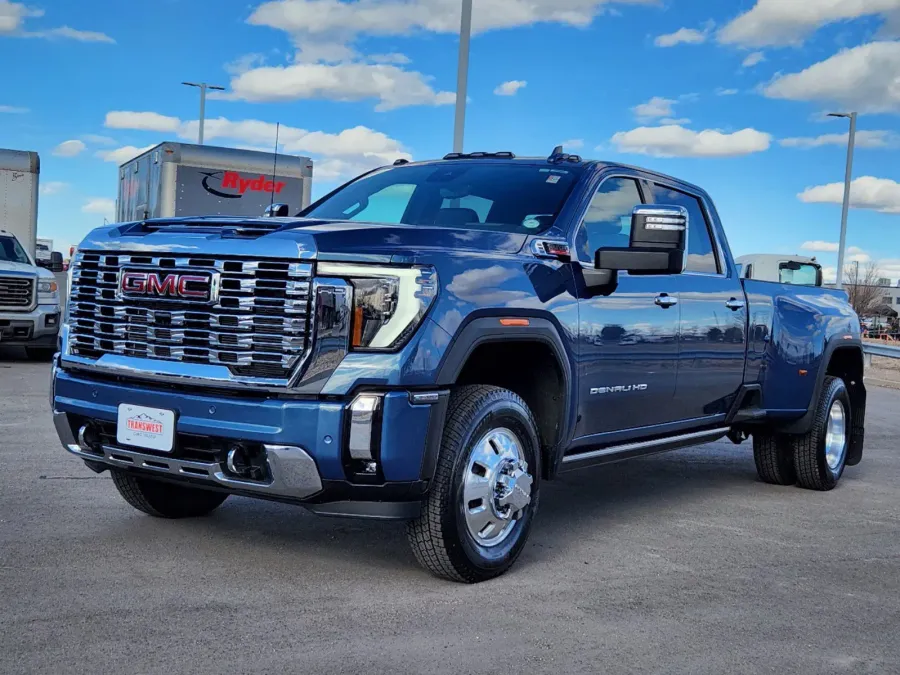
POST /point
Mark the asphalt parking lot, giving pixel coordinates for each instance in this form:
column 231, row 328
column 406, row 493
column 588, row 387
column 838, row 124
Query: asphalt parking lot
column 679, row 563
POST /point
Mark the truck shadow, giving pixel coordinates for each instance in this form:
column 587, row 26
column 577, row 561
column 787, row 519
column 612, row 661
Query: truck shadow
column 573, row 506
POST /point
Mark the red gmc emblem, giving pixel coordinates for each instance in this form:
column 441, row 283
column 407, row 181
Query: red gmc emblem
column 197, row 286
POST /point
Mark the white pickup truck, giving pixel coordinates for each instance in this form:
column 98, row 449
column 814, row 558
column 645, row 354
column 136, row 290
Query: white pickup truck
column 29, row 301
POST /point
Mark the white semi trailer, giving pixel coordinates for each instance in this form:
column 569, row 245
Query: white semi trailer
column 173, row 180
column 19, row 180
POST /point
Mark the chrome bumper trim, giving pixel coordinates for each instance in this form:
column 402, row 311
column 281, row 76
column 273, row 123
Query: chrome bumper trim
column 294, row 473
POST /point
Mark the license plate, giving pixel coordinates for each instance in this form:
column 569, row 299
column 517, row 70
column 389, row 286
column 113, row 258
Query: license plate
column 149, row 428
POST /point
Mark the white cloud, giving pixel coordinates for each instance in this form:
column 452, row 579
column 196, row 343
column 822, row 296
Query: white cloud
column 867, row 192
column 573, row 144
column 347, row 153
column 100, row 206
column 753, row 59
column 123, row 154
column 12, row 24
column 13, row 15
column 688, row 36
column 13, row 110
column 69, row 149
column 68, row 33
column 654, row 108
column 726, row 92
column 142, row 121
column 865, row 78
column 681, row 121
column 401, row 17
column 53, row 187
column 784, row 22
column 510, row 88
column 864, row 139
column 676, row 141
column 819, row 246
column 392, row 86
column 393, row 57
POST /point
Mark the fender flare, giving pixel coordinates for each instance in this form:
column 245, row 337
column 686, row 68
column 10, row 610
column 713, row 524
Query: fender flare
column 487, row 329
column 802, row 425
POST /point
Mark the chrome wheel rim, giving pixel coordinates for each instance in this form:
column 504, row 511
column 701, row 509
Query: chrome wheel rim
column 496, row 488
column 836, row 436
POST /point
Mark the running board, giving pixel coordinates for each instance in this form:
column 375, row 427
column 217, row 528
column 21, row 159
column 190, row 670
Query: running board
column 616, row 453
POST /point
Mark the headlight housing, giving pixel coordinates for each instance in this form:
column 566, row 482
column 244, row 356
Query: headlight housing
column 389, row 303
column 48, row 291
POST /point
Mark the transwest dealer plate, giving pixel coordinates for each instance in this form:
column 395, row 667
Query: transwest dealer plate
column 142, row 427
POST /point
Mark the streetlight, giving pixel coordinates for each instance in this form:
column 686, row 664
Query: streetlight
column 203, row 87
column 462, row 75
column 847, row 180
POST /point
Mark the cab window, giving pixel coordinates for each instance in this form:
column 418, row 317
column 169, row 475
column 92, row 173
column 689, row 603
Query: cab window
column 701, row 255
column 607, row 222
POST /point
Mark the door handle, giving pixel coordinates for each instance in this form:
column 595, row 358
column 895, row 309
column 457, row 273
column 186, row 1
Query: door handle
column 734, row 304
column 665, row 300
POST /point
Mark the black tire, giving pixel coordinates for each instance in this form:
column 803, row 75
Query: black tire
column 440, row 537
column 40, row 353
column 165, row 500
column 810, row 462
column 774, row 457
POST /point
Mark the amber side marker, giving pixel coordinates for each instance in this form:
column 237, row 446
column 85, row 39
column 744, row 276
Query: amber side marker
column 804, row 372
column 515, row 322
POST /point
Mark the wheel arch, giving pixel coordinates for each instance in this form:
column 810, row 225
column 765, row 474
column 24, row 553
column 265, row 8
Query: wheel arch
column 844, row 359
column 520, row 358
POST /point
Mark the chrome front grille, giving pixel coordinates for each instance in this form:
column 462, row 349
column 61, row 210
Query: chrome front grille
column 257, row 326
column 16, row 292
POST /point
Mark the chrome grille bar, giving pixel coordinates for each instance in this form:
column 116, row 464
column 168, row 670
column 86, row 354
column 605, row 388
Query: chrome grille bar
column 258, row 326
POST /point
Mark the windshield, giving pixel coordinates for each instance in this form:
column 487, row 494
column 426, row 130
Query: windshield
column 502, row 196
column 12, row 251
column 798, row 274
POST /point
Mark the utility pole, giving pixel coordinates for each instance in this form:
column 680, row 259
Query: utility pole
column 848, row 179
column 462, row 75
column 203, row 86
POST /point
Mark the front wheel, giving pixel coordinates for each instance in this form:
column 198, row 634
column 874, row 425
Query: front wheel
column 484, row 496
column 165, row 500
column 40, row 353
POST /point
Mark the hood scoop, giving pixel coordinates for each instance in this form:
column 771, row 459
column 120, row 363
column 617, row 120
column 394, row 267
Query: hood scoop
column 227, row 228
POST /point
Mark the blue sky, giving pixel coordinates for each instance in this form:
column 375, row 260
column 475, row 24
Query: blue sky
column 729, row 95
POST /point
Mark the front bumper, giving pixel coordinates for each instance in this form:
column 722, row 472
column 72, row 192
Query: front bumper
column 37, row 328
column 304, row 442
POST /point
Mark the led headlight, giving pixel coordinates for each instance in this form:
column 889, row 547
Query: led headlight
column 389, row 303
column 48, row 292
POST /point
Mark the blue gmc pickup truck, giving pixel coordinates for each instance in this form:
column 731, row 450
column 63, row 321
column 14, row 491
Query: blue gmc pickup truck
column 433, row 340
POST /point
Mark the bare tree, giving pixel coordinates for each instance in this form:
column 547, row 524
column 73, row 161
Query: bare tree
column 866, row 296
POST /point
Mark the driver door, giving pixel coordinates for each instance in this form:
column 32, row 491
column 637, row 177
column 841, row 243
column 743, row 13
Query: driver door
column 628, row 348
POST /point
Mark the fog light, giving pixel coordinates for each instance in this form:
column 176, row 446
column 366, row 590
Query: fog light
column 51, row 320
column 363, row 412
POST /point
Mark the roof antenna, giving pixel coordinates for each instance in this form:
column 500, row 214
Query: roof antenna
column 275, row 163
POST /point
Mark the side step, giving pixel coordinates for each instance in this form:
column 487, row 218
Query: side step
column 615, row 453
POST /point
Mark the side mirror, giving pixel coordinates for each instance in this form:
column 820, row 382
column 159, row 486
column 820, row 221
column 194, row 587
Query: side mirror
column 658, row 242
column 276, row 211
column 56, row 261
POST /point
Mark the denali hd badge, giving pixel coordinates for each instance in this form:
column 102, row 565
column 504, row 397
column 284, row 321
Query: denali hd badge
column 619, row 390
column 149, row 285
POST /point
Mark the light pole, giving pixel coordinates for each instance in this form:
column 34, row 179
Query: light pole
column 203, row 87
column 462, row 75
column 847, row 182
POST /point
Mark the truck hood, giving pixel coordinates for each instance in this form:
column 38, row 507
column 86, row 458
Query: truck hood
column 20, row 268
column 303, row 238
